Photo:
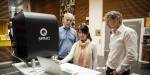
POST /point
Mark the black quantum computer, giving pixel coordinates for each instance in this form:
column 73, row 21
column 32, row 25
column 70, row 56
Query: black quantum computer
column 35, row 34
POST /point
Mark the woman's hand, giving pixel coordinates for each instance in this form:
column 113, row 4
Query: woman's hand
column 58, row 61
column 54, row 58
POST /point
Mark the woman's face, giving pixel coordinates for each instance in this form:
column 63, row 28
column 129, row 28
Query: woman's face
column 82, row 36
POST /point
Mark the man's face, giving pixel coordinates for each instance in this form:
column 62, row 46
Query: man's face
column 112, row 23
column 67, row 22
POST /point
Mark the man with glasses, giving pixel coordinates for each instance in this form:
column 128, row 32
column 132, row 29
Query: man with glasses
column 67, row 36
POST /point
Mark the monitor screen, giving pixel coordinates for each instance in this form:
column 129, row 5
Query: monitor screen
column 35, row 34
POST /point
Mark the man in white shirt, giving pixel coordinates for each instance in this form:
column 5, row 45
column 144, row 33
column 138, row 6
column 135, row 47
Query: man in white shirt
column 123, row 45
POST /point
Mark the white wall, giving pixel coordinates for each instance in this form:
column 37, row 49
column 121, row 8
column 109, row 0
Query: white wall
column 95, row 22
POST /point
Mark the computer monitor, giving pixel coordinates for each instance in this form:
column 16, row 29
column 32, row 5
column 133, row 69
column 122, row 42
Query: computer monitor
column 35, row 34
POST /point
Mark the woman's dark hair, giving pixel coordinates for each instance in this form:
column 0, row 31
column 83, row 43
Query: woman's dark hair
column 84, row 29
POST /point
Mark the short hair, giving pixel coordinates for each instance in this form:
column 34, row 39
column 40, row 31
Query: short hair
column 69, row 16
column 113, row 15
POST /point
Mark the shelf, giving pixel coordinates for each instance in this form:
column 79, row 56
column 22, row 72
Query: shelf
column 146, row 35
column 148, row 44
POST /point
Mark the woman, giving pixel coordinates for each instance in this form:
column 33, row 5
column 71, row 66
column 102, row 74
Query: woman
column 83, row 52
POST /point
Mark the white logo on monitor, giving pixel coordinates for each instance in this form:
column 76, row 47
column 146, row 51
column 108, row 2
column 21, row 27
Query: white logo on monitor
column 44, row 35
column 43, row 31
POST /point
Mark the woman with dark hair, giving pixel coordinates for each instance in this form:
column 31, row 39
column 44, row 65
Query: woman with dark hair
column 83, row 52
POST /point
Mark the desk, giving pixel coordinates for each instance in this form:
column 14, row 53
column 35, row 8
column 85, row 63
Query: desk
column 80, row 70
column 66, row 67
column 24, row 69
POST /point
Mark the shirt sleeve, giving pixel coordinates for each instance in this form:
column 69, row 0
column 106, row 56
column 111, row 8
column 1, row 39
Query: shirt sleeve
column 76, row 38
column 130, row 41
column 70, row 55
column 94, row 55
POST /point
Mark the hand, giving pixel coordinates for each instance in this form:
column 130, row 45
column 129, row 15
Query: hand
column 57, row 61
column 115, row 73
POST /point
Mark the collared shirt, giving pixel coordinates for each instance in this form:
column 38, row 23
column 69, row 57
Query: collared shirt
column 123, row 49
column 67, row 37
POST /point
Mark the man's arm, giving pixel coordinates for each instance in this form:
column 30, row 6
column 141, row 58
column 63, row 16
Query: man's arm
column 130, row 42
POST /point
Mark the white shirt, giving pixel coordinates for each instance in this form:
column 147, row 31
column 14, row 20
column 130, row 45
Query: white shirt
column 94, row 55
column 123, row 49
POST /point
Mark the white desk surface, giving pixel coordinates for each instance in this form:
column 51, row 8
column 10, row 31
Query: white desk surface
column 22, row 67
column 67, row 67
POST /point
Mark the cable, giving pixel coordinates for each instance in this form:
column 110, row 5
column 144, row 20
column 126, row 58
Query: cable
column 13, row 54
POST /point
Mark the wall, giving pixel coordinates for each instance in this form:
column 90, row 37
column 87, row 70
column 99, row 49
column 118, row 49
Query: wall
column 46, row 6
column 4, row 11
column 81, row 11
column 129, row 8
